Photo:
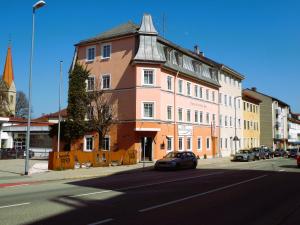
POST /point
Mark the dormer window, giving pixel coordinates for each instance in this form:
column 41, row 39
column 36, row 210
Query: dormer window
column 178, row 58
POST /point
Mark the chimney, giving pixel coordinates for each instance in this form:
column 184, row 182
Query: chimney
column 196, row 49
column 201, row 53
column 254, row 89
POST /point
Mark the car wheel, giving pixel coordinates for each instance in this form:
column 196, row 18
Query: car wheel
column 194, row 165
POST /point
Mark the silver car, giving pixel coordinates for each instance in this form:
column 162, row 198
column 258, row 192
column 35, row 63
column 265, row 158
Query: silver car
column 177, row 160
column 244, row 155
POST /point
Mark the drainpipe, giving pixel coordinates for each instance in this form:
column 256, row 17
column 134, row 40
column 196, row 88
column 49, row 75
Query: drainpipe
column 175, row 133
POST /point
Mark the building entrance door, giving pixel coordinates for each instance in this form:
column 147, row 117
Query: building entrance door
column 146, row 144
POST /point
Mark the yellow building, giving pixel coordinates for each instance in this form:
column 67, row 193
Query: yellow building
column 251, row 114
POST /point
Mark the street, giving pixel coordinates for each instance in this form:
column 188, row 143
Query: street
column 262, row 192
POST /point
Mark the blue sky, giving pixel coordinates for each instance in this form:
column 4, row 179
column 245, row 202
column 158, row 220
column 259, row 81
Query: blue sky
column 260, row 39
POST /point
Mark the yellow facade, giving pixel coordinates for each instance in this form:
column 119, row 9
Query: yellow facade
column 251, row 126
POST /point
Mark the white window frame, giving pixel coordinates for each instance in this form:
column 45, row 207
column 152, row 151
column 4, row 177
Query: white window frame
column 106, row 136
column 85, row 143
column 182, row 138
column 169, row 78
column 209, row 147
column 102, row 50
column 142, row 78
column 172, row 143
column 180, row 81
column 87, row 53
column 142, row 108
column 180, row 120
column 102, row 83
column 87, row 83
column 169, row 119
column 199, row 137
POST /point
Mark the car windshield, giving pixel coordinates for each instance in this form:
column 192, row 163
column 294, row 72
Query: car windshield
column 244, row 151
column 173, row 155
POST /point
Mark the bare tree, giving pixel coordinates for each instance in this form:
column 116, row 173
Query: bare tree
column 4, row 102
column 21, row 105
column 101, row 112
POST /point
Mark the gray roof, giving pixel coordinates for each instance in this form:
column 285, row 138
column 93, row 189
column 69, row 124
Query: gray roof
column 121, row 30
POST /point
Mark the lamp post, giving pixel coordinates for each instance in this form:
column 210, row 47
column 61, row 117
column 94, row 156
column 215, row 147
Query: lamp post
column 235, row 139
column 36, row 6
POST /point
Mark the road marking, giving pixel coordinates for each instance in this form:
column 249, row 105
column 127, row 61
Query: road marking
column 200, row 194
column 17, row 185
column 147, row 185
column 281, row 170
column 8, row 206
column 101, row 222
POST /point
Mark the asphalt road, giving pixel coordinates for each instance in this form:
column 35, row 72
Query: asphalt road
column 265, row 192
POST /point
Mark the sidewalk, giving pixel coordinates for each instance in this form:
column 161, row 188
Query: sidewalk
column 11, row 171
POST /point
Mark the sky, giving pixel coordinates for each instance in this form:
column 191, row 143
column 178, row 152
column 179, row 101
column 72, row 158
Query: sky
column 259, row 39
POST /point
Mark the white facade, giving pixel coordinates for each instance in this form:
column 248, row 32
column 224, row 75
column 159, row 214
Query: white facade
column 230, row 103
column 293, row 133
column 280, row 122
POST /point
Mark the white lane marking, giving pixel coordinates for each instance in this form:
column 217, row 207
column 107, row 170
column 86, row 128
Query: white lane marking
column 146, row 185
column 8, row 206
column 17, row 185
column 281, row 170
column 200, row 194
column 102, row 221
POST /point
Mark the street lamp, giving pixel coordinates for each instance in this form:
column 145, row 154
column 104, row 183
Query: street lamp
column 235, row 138
column 36, row 6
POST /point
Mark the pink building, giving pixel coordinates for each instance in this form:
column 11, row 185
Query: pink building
column 166, row 96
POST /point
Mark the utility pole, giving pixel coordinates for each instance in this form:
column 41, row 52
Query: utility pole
column 59, row 108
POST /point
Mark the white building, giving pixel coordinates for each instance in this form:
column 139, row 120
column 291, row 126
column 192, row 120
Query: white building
column 231, row 113
column 293, row 130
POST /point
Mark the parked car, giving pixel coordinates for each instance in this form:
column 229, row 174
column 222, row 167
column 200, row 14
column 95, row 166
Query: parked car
column 280, row 153
column 177, row 160
column 292, row 153
column 244, row 155
column 259, row 153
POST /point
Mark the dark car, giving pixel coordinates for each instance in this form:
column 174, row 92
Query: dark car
column 280, row 153
column 269, row 153
column 244, row 155
column 259, row 153
column 298, row 158
column 177, row 160
column 292, row 153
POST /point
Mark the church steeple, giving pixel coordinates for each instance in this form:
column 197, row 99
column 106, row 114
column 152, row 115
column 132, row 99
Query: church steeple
column 8, row 73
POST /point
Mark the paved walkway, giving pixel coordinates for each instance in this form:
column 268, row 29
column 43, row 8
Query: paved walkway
column 11, row 171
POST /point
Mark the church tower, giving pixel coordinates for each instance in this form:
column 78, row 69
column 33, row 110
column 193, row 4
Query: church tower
column 8, row 84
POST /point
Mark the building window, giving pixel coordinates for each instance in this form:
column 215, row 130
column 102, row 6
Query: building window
column 180, row 143
column 225, row 100
column 230, row 101
column 221, row 122
column 245, row 124
column 221, row 140
column 106, row 143
column 189, row 143
column 89, row 143
column 226, row 143
column 213, row 96
column 199, row 143
column 90, row 53
column 169, row 112
column 196, row 116
column 239, row 123
column 148, row 110
column 11, row 99
column 169, row 143
column 226, row 122
column 220, row 98
column 90, row 113
column 169, row 83
column 207, row 94
column 207, row 118
column 180, row 86
column 106, row 81
column 244, row 106
column 207, row 143
column 214, row 119
column 180, row 114
column 188, row 115
column 188, row 88
column 105, row 51
column 200, row 92
column 148, row 77
column 230, row 121
column 90, row 83
column 201, row 117
column 196, row 90
column 239, row 103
